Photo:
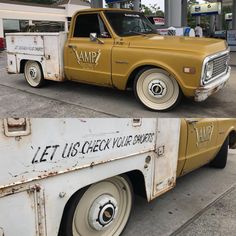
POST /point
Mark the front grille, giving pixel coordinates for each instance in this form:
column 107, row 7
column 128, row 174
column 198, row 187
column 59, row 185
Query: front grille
column 220, row 65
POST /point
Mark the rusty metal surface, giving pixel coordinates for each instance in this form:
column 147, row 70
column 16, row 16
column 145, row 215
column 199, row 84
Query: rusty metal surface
column 61, row 156
column 72, row 145
column 45, row 48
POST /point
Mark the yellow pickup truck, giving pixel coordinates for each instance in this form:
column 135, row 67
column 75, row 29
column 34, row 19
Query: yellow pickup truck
column 80, row 178
column 120, row 49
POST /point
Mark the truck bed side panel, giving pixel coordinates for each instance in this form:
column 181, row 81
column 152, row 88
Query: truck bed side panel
column 72, row 145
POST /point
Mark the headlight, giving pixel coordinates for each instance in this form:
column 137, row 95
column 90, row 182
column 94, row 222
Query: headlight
column 209, row 70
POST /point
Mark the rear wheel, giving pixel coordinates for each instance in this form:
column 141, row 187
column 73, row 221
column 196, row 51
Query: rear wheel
column 101, row 209
column 220, row 160
column 33, row 74
column 157, row 89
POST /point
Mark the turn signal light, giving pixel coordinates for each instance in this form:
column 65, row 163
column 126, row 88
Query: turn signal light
column 189, row 70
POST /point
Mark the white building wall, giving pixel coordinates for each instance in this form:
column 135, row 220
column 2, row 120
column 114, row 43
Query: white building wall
column 71, row 9
column 23, row 12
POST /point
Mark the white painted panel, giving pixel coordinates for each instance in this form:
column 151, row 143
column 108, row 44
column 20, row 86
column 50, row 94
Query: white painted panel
column 17, row 216
column 167, row 155
column 54, row 47
column 25, row 44
column 62, row 145
column 64, row 155
column 11, row 63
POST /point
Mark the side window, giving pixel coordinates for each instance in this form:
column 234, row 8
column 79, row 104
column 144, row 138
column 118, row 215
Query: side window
column 90, row 23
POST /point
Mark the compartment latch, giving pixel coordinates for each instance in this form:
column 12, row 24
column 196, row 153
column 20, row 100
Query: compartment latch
column 14, row 127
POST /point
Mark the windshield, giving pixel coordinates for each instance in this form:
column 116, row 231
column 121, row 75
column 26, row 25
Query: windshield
column 129, row 23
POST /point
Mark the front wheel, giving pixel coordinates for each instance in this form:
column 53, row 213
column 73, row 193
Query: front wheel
column 33, row 74
column 156, row 89
column 103, row 209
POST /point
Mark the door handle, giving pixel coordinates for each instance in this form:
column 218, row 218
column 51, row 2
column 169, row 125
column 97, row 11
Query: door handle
column 72, row 46
column 192, row 121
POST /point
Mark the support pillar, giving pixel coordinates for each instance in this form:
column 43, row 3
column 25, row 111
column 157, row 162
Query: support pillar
column 167, row 13
column 234, row 14
column 219, row 25
column 97, row 3
column 219, row 22
column 1, row 28
column 136, row 5
column 173, row 11
column 184, row 13
column 212, row 24
column 198, row 20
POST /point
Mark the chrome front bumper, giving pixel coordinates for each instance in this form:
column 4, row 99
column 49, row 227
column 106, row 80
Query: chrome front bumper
column 202, row 93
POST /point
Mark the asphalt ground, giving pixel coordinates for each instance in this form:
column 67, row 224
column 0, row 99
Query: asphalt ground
column 202, row 203
column 70, row 99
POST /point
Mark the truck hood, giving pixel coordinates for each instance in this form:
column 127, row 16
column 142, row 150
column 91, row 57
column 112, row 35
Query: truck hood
column 206, row 46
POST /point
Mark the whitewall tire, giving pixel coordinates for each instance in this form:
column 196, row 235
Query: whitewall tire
column 156, row 89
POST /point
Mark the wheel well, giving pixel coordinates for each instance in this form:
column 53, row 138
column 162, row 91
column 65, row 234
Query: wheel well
column 232, row 139
column 137, row 179
column 23, row 62
column 131, row 78
column 22, row 65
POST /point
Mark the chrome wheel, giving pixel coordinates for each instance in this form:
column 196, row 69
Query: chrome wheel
column 157, row 90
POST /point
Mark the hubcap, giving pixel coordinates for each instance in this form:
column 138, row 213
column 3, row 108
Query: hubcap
column 33, row 73
column 103, row 212
column 157, row 88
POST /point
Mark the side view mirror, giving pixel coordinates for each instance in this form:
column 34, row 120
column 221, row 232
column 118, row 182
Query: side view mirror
column 94, row 38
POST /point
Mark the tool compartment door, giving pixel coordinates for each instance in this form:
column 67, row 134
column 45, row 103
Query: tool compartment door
column 54, row 46
column 11, row 63
column 22, row 212
column 167, row 148
column 25, row 43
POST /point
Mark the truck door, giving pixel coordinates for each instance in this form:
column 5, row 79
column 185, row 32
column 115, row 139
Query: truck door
column 89, row 60
column 201, row 142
